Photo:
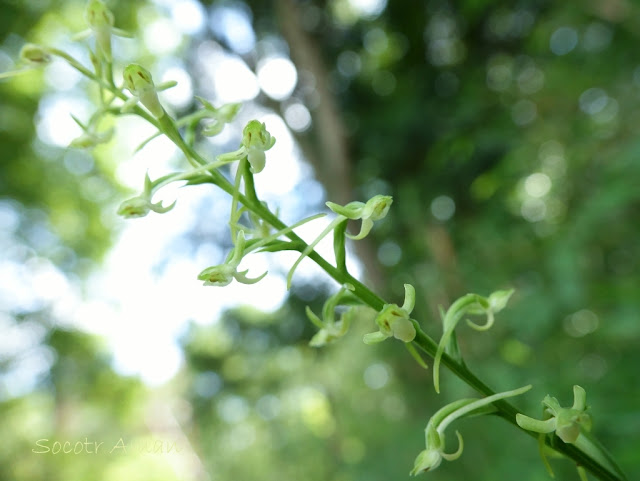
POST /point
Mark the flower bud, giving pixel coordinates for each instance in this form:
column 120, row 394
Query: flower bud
column 98, row 16
column 34, row 54
column 100, row 20
column 138, row 81
column 426, row 460
column 134, row 207
column 255, row 135
column 220, row 276
column 377, row 207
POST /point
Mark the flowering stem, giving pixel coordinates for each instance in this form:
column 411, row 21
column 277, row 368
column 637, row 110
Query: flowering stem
column 604, row 469
column 422, row 340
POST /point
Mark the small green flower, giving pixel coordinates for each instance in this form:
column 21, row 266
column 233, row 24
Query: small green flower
column 394, row 321
column 100, row 20
column 431, row 457
column 224, row 274
column 138, row 81
column 32, row 54
column 219, row 116
column 566, row 422
column 467, row 304
column 256, row 140
column 376, row 208
column 141, row 205
column 90, row 137
column 330, row 329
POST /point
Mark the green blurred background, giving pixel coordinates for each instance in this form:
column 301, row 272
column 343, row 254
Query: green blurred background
column 507, row 133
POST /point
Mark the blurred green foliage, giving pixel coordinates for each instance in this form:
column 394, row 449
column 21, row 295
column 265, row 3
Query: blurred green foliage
column 507, row 135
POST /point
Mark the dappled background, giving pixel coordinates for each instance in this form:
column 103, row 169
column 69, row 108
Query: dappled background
column 507, row 134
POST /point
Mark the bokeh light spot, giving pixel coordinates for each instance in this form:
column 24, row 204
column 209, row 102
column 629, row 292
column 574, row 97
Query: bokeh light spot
column 563, row 40
column 443, row 207
column 537, row 185
column 297, row 117
column 277, row 77
column 377, row 375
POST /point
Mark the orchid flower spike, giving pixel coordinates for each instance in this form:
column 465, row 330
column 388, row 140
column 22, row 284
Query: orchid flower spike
column 394, row 321
column 141, row 205
column 566, row 422
column 375, row 208
column 431, row 457
column 223, row 275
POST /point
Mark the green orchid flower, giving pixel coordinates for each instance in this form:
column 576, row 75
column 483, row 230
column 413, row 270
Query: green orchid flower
column 141, row 205
column 374, row 209
column 431, row 457
column 395, row 321
column 224, row 274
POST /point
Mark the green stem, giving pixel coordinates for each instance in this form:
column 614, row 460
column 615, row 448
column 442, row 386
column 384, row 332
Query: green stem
column 422, row 340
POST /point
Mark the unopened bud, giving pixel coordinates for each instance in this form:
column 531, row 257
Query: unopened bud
column 34, row 54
